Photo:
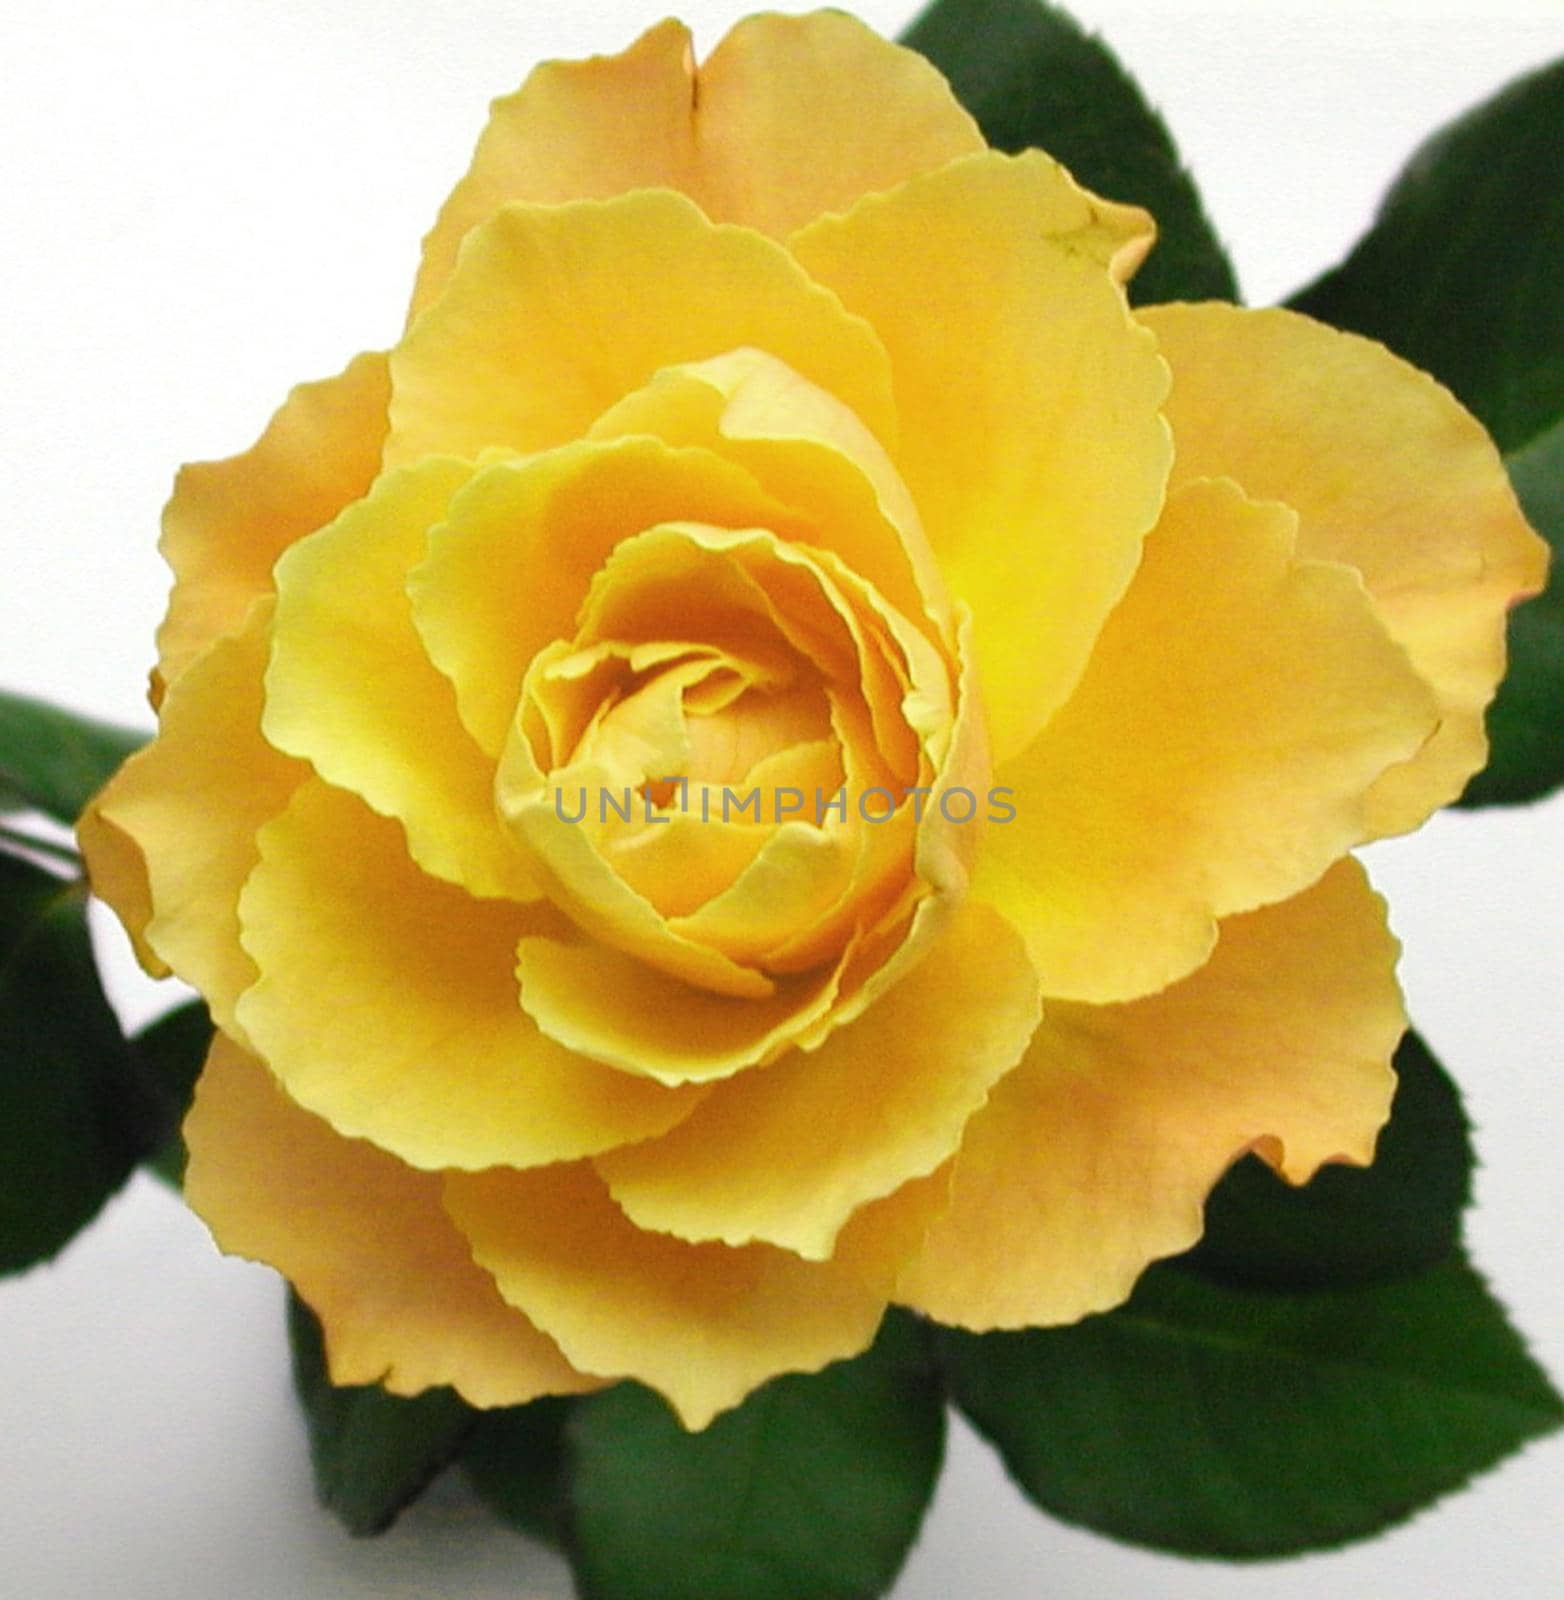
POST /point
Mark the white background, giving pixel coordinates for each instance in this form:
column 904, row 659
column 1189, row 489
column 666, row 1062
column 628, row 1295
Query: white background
column 201, row 203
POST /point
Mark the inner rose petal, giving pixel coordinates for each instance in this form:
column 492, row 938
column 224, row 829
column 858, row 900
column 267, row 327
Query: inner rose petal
column 711, row 670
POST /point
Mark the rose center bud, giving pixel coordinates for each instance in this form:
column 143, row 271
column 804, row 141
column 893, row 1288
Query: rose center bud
column 723, row 770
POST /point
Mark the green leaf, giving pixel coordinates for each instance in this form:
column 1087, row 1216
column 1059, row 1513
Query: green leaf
column 515, row 1459
column 1032, row 77
column 53, row 760
column 1460, row 275
column 374, row 1453
column 73, row 1118
column 171, row 1053
column 1526, row 719
column 1213, row 1421
column 813, row 1489
column 1460, row 270
column 1351, row 1225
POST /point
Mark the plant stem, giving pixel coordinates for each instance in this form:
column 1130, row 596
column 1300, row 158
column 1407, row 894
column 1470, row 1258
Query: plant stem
column 44, row 847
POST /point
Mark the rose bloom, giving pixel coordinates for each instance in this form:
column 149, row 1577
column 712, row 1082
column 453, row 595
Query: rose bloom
column 756, row 426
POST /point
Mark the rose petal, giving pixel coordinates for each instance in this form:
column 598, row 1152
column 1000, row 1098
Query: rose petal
column 719, row 585
column 1028, row 401
column 424, row 1048
column 507, row 569
column 809, row 452
column 191, row 803
column 606, row 907
column 228, row 521
column 1215, row 757
column 798, row 116
column 554, row 313
column 880, row 1238
column 1094, row 1157
column 351, row 690
column 117, row 871
column 788, row 1154
column 614, row 1008
column 366, row 1242
column 1389, row 474
column 790, row 117
column 700, row 1323
column 682, row 862
column 798, row 878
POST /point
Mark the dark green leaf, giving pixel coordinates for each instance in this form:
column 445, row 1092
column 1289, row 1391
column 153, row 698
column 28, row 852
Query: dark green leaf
column 813, row 1489
column 171, row 1052
column 1032, row 77
column 515, row 1459
column 1526, row 719
column 1460, row 274
column 1225, row 1422
column 54, row 760
column 73, row 1121
column 374, row 1453
column 1351, row 1225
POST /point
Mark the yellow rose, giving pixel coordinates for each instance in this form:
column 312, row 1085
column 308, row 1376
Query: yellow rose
column 757, row 432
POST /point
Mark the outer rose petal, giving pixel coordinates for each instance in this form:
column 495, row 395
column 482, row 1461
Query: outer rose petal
column 191, row 803
column 881, row 1237
column 1028, row 403
column 1215, row 758
column 554, row 313
column 798, row 116
column 228, row 521
column 351, row 690
column 118, row 871
column 789, row 117
column 788, row 1154
column 700, row 1323
column 1388, row 473
column 365, row 1240
column 424, row 1047
column 1095, row 1156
